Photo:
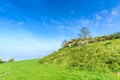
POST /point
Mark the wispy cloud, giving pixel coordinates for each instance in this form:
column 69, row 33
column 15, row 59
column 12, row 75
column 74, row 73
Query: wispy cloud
column 61, row 27
column 55, row 21
column 43, row 21
column 84, row 22
column 109, row 20
column 21, row 23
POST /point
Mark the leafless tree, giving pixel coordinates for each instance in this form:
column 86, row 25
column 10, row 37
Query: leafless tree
column 84, row 33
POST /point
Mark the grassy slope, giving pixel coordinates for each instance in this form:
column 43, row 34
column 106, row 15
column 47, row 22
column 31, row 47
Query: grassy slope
column 32, row 70
column 100, row 56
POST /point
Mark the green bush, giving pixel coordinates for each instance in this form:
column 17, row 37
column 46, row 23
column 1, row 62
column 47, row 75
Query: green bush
column 112, row 36
column 74, row 64
column 11, row 60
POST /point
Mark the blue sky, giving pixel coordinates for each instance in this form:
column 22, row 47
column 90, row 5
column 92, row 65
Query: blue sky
column 34, row 28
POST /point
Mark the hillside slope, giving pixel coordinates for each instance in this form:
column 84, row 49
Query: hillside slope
column 99, row 56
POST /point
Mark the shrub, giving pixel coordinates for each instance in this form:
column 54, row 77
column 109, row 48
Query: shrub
column 1, row 61
column 102, row 39
column 74, row 64
column 112, row 36
column 66, row 45
column 91, row 40
column 64, row 42
column 115, row 35
column 11, row 60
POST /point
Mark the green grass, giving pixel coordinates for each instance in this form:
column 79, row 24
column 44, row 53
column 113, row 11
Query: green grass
column 32, row 70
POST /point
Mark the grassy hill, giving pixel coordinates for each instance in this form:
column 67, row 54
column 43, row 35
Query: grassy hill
column 94, row 61
column 32, row 70
column 99, row 56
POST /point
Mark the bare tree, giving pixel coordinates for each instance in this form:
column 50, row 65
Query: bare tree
column 64, row 42
column 84, row 33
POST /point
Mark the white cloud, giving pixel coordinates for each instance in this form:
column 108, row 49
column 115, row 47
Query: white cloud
column 98, row 17
column 109, row 20
column 114, row 12
column 104, row 12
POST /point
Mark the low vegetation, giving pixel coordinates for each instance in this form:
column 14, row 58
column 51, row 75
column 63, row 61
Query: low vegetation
column 1, row 61
column 11, row 60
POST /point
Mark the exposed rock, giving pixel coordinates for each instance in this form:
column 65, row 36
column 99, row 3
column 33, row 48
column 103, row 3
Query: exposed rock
column 81, row 43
